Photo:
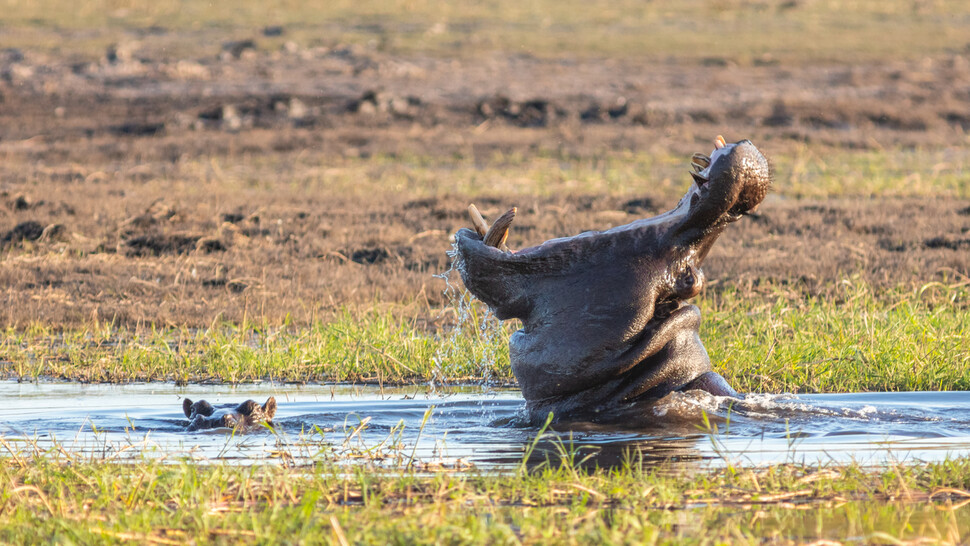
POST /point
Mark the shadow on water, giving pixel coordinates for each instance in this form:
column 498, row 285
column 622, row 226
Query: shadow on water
column 459, row 427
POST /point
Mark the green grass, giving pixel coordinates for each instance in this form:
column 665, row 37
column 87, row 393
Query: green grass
column 52, row 497
column 773, row 340
column 862, row 341
column 373, row 347
column 739, row 30
column 806, row 172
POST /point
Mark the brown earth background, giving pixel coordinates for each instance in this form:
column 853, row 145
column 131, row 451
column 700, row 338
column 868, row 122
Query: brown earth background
column 281, row 173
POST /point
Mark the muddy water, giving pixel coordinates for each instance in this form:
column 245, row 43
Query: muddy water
column 467, row 426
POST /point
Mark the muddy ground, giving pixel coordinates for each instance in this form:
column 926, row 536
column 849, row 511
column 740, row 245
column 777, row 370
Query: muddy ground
column 149, row 190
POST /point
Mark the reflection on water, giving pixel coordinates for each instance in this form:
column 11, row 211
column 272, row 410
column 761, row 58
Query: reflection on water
column 466, row 426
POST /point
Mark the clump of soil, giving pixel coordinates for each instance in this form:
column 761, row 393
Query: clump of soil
column 24, row 231
column 157, row 244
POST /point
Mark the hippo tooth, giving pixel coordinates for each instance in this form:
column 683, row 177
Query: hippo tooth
column 499, row 232
column 480, row 226
column 701, row 160
column 699, row 178
column 697, row 166
column 719, row 142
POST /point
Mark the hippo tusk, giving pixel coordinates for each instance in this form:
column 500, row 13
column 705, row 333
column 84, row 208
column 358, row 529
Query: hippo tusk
column 499, row 232
column 496, row 235
column 481, row 227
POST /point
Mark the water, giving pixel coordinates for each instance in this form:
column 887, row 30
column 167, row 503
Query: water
column 469, row 428
column 489, row 330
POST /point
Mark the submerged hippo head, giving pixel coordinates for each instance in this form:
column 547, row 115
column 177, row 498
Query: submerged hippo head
column 203, row 415
column 605, row 318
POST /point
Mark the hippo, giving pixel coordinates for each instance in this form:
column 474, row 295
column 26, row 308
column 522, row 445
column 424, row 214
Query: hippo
column 203, row 415
column 605, row 319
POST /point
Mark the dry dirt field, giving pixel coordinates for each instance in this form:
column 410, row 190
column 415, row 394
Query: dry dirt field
column 287, row 183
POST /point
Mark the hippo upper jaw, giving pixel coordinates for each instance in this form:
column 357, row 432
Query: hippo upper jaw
column 734, row 182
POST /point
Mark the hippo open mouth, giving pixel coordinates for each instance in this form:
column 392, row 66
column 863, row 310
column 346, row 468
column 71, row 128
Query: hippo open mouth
column 605, row 317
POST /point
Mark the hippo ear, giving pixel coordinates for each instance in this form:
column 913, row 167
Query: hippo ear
column 269, row 408
column 187, row 407
column 246, row 408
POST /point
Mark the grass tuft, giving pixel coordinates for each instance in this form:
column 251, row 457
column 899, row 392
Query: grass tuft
column 773, row 339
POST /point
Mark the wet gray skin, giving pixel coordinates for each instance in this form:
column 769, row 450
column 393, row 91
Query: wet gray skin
column 605, row 317
column 203, row 415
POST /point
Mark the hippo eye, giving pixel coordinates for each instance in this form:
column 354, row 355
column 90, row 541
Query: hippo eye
column 688, row 283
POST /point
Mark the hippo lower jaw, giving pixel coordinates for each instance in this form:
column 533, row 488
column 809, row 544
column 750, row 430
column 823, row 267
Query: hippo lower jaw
column 605, row 318
column 666, row 356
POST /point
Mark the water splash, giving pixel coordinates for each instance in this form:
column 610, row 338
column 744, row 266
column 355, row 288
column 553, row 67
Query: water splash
column 458, row 346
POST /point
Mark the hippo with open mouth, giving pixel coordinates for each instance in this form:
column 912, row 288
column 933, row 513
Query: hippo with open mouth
column 203, row 415
column 605, row 318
